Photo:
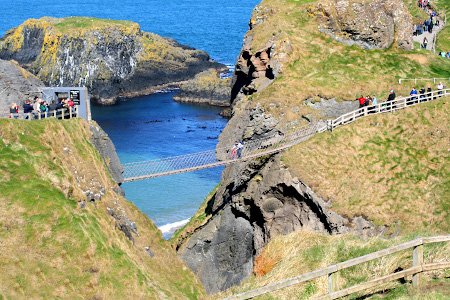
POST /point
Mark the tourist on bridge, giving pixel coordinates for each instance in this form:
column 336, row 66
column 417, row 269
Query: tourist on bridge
column 234, row 150
column 240, row 147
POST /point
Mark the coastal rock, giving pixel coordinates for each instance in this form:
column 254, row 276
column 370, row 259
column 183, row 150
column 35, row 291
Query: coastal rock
column 112, row 58
column 255, row 203
column 206, row 88
column 106, row 148
column 16, row 85
column 375, row 24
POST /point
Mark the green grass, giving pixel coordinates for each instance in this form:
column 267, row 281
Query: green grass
column 76, row 23
column 53, row 249
column 392, row 168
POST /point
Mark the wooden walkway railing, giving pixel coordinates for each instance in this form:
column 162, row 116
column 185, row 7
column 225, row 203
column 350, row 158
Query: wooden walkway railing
column 331, row 272
column 63, row 113
column 262, row 147
column 435, row 80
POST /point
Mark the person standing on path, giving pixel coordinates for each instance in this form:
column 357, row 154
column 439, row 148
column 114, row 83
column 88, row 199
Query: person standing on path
column 413, row 94
column 425, row 43
column 440, row 87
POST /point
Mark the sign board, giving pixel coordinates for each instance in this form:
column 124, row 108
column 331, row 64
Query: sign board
column 75, row 96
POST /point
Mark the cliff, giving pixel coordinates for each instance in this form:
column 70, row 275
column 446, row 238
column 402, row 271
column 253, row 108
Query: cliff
column 16, row 85
column 291, row 73
column 112, row 58
column 206, row 88
column 65, row 229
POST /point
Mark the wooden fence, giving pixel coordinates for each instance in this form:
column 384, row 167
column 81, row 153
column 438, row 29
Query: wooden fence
column 435, row 80
column 331, row 272
column 385, row 107
column 63, row 113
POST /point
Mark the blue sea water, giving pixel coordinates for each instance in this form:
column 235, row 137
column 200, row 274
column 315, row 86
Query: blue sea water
column 155, row 126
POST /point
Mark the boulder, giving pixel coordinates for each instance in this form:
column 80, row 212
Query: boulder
column 371, row 24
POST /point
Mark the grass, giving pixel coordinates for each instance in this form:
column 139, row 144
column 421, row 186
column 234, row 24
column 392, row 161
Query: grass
column 303, row 251
column 53, row 249
column 443, row 41
column 392, row 168
column 320, row 67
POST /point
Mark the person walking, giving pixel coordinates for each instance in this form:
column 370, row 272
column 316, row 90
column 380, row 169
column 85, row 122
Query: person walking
column 391, row 99
column 440, row 88
column 413, row 95
column 240, row 147
column 425, row 43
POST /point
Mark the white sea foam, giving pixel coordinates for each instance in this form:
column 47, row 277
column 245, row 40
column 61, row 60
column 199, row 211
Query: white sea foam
column 171, row 227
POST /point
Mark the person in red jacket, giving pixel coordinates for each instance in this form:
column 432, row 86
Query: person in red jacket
column 362, row 101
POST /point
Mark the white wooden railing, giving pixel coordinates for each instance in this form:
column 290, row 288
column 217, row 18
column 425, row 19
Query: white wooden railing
column 63, row 113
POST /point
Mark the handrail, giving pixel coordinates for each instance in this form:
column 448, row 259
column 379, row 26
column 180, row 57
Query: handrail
column 63, row 113
column 261, row 147
column 331, row 271
column 422, row 79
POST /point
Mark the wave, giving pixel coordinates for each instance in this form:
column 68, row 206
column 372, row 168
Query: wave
column 171, row 227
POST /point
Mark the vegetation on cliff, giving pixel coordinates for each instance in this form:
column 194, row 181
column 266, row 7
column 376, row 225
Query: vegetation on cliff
column 317, row 66
column 385, row 176
column 112, row 58
column 66, row 232
column 392, row 168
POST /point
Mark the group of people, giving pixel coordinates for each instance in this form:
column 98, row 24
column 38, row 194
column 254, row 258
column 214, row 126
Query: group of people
column 444, row 54
column 428, row 24
column 236, row 150
column 39, row 106
column 367, row 101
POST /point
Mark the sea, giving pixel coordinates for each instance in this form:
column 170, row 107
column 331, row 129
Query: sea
column 156, row 126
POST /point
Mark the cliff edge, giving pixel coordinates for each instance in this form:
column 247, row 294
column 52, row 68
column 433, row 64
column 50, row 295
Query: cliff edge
column 112, row 58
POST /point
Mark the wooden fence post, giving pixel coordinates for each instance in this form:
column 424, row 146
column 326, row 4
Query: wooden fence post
column 417, row 261
column 332, row 282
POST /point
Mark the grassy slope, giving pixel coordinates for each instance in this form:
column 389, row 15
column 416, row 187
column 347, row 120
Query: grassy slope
column 301, row 252
column 443, row 41
column 50, row 247
column 392, row 168
column 320, row 66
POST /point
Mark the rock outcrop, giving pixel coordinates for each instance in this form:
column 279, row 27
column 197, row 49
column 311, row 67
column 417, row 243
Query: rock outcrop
column 107, row 150
column 370, row 24
column 112, row 58
column 256, row 69
column 16, row 85
column 206, row 88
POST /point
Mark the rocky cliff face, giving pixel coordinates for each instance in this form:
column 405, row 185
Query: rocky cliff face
column 206, row 88
column 111, row 58
column 259, row 200
column 370, row 24
column 16, row 85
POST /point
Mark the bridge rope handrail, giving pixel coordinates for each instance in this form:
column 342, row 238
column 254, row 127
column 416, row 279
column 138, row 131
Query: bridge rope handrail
column 264, row 146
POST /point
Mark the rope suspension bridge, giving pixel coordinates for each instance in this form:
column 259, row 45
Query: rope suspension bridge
column 262, row 147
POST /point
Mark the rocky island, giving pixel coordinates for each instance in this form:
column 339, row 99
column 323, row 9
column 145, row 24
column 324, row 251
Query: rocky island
column 113, row 59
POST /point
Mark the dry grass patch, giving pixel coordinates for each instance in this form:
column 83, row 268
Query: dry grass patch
column 301, row 252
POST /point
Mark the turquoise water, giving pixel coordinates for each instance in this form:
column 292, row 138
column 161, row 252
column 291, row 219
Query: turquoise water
column 216, row 26
column 156, row 126
column 161, row 127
